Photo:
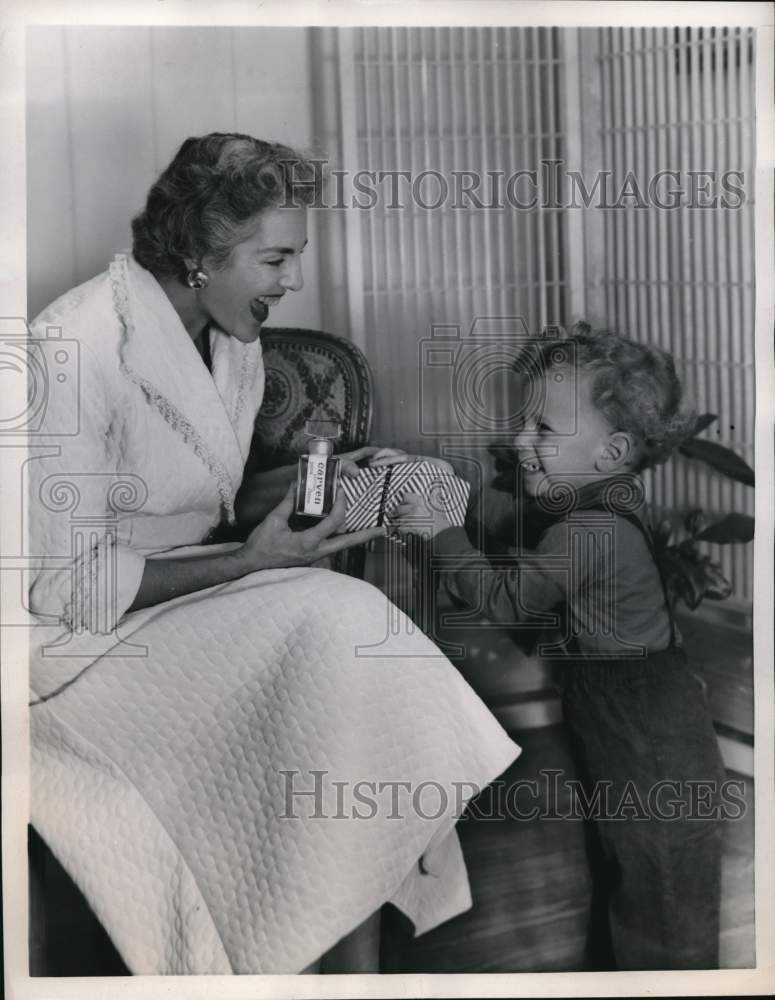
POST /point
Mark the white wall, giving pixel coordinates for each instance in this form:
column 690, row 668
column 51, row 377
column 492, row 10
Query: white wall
column 108, row 107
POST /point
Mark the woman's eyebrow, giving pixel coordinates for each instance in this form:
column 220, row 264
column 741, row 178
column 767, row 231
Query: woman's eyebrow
column 283, row 250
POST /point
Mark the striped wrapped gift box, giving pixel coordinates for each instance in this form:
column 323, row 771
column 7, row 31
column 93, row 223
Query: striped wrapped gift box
column 374, row 494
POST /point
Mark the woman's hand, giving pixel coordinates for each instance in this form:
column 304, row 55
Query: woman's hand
column 380, row 458
column 264, row 490
column 348, row 460
column 270, row 545
column 391, row 456
column 273, row 543
column 261, row 492
column 415, row 516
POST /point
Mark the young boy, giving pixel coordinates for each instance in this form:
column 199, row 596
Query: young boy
column 637, row 718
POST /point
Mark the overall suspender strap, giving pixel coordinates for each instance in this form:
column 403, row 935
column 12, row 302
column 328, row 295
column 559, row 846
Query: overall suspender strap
column 593, row 498
column 649, row 540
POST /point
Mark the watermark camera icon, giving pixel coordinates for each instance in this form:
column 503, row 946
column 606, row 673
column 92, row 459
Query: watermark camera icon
column 32, row 370
column 488, row 382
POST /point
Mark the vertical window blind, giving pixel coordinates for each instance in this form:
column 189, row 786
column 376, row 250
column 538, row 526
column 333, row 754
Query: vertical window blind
column 682, row 99
column 451, row 100
column 622, row 100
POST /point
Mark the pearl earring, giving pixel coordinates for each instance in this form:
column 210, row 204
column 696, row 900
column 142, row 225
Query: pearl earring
column 197, row 279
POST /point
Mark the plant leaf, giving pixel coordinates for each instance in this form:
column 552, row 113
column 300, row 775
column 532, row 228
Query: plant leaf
column 694, row 521
column 662, row 533
column 690, row 584
column 704, row 420
column 717, row 587
column 684, row 577
column 732, row 528
column 719, row 458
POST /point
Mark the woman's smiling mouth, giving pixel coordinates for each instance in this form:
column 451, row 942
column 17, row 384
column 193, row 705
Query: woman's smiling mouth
column 261, row 305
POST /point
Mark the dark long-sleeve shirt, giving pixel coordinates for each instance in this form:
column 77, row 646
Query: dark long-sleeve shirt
column 590, row 577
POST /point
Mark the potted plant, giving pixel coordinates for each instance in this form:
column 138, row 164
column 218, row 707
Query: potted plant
column 691, row 575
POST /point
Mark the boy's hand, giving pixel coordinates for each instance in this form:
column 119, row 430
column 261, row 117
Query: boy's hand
column 415, row 516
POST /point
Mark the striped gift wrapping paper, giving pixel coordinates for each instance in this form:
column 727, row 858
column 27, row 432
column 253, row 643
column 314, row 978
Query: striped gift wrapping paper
column 373, row 495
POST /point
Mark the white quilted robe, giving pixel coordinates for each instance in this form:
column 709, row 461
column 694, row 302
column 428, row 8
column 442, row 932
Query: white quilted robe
column 160, row 738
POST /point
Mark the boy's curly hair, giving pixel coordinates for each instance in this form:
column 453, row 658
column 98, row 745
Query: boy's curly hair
column 635, row 387
column 214, row 185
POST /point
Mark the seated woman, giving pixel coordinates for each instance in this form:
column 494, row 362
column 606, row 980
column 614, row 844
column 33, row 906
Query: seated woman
column 226, row 757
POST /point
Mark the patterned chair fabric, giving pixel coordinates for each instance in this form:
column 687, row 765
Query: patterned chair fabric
column 310, row 375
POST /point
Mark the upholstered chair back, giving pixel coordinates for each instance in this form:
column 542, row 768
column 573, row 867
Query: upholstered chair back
column 310, row 375
column 318, row 376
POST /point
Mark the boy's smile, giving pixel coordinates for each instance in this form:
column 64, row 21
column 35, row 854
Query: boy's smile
column 567, row 439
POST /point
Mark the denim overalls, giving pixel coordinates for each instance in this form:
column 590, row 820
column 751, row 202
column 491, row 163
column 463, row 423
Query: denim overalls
column 643, row 726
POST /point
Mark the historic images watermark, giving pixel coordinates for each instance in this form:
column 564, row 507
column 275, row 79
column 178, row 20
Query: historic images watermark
column 552, row 795
column 493, row 377
column 42, row 366
column 85, row 508
column 477, row 368
column 553, row 185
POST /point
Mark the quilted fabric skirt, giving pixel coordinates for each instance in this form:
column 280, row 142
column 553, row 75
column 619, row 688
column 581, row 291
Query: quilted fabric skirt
column 258, row 772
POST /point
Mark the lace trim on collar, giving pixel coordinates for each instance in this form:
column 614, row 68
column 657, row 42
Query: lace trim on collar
column 169, row 412
column 246, row 371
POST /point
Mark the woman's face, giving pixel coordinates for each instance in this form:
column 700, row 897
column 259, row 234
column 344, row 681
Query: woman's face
column 260, row 270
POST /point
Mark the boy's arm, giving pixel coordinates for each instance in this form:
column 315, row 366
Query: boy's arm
column 509, row 593
column 491, row 521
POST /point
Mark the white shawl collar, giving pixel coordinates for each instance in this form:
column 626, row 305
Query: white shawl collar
column 214, row 415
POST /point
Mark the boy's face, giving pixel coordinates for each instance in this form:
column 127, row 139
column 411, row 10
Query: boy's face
column 567, row 440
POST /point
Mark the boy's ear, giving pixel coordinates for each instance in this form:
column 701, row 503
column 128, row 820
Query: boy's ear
column 617, row 454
